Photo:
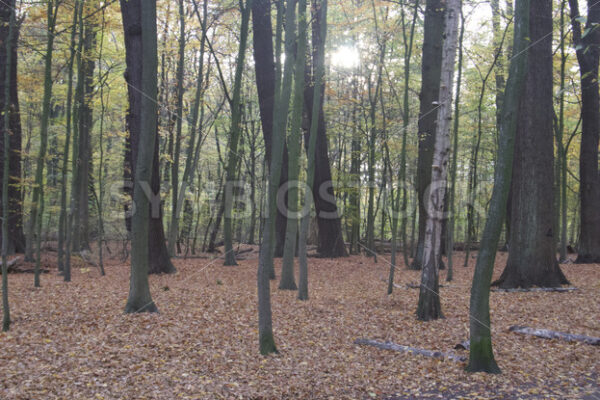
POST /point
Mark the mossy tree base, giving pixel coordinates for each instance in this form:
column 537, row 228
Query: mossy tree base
column 267, row 344
column 481, row 357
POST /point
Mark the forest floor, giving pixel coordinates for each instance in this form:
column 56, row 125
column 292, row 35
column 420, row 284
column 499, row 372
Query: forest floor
column 72, row 340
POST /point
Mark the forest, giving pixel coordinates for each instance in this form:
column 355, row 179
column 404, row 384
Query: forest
column 281, row 199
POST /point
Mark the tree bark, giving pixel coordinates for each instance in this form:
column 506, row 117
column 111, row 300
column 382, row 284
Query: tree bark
column 159, row 261
column 331, row 240
column 532, row 246
column 288, row 281
column 15, row 237
column 429, row 307
column 139, row 24
column 481, row 354
column 265, row 82
column 588, row 55
column 430, row 88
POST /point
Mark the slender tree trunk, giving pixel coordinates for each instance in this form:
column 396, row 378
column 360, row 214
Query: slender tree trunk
column 288, row 281
column 175, row 200
column 331, row 240
column 6, row 65
column 429, row 299
column 588, row 54
column 73, row 208
column 81, row 240
column 236, row 117
column 266, row 76
column 35, row 224
column 283, row 88
column 319, row 61
column 62, row 219
column 481, row 355
column 454, row 165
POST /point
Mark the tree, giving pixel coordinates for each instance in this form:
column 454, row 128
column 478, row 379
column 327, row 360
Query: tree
column 267, row 71
column 85, row 123
column 481, row 355
column 174, row 229
column 429, row 299
column 235, row 134
column 331, row 240
column 9, row 62
column 6, row 64
column 430, row 88
column 283, row 89
column 64, row 253
column 587, row 46
column 37, row 208
column 294, row 148
column 139, row 24
column 532, row 244
column 159, row 261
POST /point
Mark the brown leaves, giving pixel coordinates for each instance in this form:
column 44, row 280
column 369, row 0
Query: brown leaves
column 73, row 340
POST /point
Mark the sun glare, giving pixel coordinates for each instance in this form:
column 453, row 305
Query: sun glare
column 346, row 57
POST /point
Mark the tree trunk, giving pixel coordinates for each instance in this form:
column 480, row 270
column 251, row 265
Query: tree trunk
column 139, row 24
column 7, row 13
column 233, row 157
column 288, row 281
column 159, row 261
column 588, row 55
column 81, row 240
column 175, row 199
column 8, row 62
column 331, row 240
column 481, row 355
column 429, row 299
column 430, row 89
column 532, row 247
column 265, row 82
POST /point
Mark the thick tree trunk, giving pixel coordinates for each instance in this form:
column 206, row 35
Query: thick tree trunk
column 588, row 55
column 139, row 24
column 532, row 245
column 16, row 238
column 159, row 257
column 430, row 88
column 265, row 82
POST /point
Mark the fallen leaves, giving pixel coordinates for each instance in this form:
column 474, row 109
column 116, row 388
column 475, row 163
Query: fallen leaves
column 73, row 340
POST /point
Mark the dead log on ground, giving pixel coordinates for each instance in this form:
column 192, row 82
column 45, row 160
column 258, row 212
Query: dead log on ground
column 14, row 267
column 536, row 289
column 406, row 349
column 466, row 345
column 548, row 334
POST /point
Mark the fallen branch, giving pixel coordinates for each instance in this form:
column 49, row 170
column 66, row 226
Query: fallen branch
column 11, row 264
column 557, row 289
column 548, row 334
column 406, row 349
